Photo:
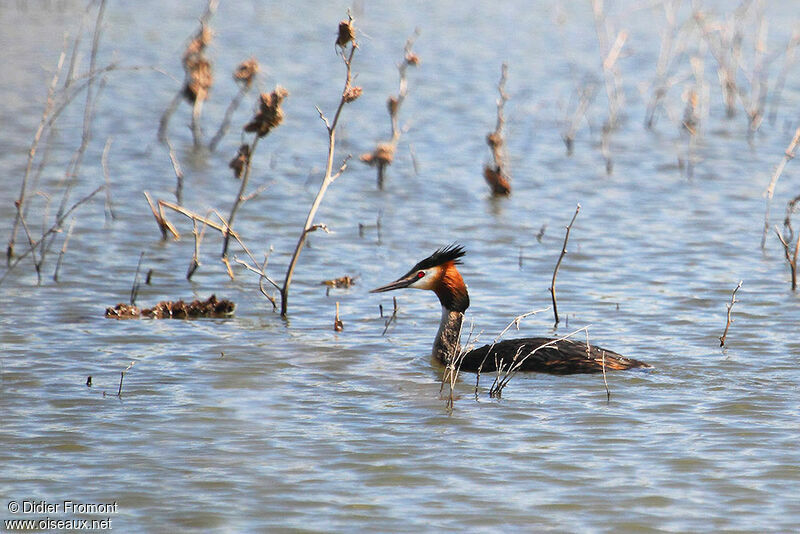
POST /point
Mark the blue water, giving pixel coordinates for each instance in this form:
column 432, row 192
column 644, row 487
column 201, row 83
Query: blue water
column 255, row 423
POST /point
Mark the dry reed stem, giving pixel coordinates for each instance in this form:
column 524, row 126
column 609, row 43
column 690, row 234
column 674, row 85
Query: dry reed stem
column 329, row 176
column 262, row 276
column 666, row 56
column 163, row 224
column 788, row 61
column 244, row 75
column 268, row 117
column 558, row 264
column 453, row 369
column 497, row 176
column 788, row 155
column 56, row 227
column 609, row 54
column 791, row 256
column 122, row 377
column 603, row 361
column 733, row 301
column 240, row 198
column 505, row 374
column 198, row 238
column 176, row 167
column 136, row 284
column 586, row 95
column 514, row 322
column 383, row 155
column 391, row 319
column 109, row 211
column 48, row 108
column 63, row 250
column 338, row 325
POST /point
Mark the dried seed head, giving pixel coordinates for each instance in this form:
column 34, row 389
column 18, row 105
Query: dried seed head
column 239, row 163
column 198, row 43
column 412, row 59
column 352, row 93
column 199, row 78
column 497, row 180
column 392, row 105
column 346, row 33
column 383, row 155
column 494, row 140
column 246, row 72
column 269, row 114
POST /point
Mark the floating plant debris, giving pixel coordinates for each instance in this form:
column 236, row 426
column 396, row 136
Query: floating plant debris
column 342, row 282
column 167, row 309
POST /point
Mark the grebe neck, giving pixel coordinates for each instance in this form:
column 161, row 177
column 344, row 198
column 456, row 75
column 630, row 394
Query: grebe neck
column 447, row 345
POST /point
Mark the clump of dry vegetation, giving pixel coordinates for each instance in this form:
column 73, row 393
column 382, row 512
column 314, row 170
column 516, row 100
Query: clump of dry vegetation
column 167, row 309
column 198, row 78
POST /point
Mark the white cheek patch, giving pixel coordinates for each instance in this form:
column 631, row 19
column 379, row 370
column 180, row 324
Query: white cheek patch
column 427, row 281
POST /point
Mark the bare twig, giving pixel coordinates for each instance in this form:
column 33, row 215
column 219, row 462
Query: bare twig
column 603, row 359
column 383, row 155
column 176, row 167
column 391, row 319
column 609, row 54
column 789, row 59
column 788, row 155
column 122, row 377
column 48, row 109
column 346, row 38
column 198, row 237
column 244, row 75
column 56, row 227
column 262, row 272
column 507, row 372
column 558, row 264
column 497, row 175
column 136, row 284
column 791, row 256
column 571, row 123
column 515, row 322
column 240, row 197
column 729, row 319
column 163, row 224
column 107, row 176
column 63, row 251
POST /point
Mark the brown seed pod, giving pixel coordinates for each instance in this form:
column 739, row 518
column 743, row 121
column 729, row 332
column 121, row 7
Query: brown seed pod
column 239, row 163
column 494, row 140
column 392, row 104
column 200, row 79
column 497, row 181
column 412, row 59
column 346, row 33
column 352, row 93
column 269, row 114
column 246, row 71
column 383, row 155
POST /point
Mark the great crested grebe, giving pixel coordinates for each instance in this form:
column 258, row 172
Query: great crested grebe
column 438, row 273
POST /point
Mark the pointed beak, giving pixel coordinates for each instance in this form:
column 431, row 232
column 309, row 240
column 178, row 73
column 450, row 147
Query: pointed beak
column 397, row 284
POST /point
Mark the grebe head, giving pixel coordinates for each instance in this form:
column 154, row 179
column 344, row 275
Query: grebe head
column 437, row 273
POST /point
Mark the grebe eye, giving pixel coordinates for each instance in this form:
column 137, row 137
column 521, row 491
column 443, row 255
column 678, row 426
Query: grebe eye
column 420, row 274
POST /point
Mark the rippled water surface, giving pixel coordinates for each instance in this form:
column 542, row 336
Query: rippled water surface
column 255, row 423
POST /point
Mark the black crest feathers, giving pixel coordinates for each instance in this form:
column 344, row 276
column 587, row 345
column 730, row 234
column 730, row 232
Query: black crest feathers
column 443, row 255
